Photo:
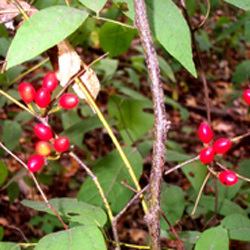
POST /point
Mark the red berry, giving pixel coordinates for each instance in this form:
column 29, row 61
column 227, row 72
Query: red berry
column 68, row 101
column 35, row 163
column 27, row 92
column 50, row 81
column 61, row 144
column 228, row 178
column 207, row 155
column 246, row 96
column 43, row 97
column 43, row 132
column 43, row 148
column 205, row 133
column 221, row 146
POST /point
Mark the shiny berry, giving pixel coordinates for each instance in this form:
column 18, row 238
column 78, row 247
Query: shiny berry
column 221, row 146
column 50, row 81
column 246, row 96
column 61, row 144
column 43, row 148
column 27, row 92
column 35, row 163
column 228, row 178
column 205, row 133
column 68, row 101
column 43, row 97
column 207, row 155
column 43, row 132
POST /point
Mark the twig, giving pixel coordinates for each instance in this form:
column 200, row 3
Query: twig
column 136, row 196
column 182, row 164
column 239, row 176
column 160, row 124
column 19, row 230
column 200, row 193
column 36, row 183
column 113, row 138
column 173, row 229
column 114, row 21
column 205, row 18
column 106, row 203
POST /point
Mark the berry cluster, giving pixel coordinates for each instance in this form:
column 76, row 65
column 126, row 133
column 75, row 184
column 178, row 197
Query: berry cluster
column 220, row 146
column 42, row 98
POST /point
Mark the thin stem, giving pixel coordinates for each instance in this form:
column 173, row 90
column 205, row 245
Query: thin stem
column 20, row 104
column 29, row 70
column 240, row 137
column 136, row 196
column 113, row 138
column 182, row 164
column 200, row 193
column 173, row 229
column 160, row 124
column 36, row 183
column 239, row 176
column 20, row 8
column 114, row 21
column 106, row 203
column 205, row 18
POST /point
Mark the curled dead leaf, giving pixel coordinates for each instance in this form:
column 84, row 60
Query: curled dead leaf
column 10, row 11
column 67, row 63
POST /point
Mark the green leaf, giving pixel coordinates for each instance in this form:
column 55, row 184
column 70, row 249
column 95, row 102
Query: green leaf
column 115, row 38
column 15, row 177
column 74, row 210
column 244, row 168
column 225, row 207
column 111, row 171
column 133, row 121
column 34, row 35
column 189, row 236
column 196, row 173
column 172, row 204
column 13, row 191
column 173, row 155
column 83, row 237
column 3, row 172
column 243, row 4
column 166, row 69
column 9, row 246
column 1, row 233
column 238, row 227
column 95, row 5
column 242, row 72
column 170, row 28
column 213, row 238
column 11, row 134
column 76, row 132
column 247, row 31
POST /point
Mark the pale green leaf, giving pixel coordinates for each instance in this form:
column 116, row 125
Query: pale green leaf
column 213, row 239
column 95, row 5
column 9, row 246
column 83, row 237
column 42, row 31
column 76, row 211
column 238, row 227
column 243, row 4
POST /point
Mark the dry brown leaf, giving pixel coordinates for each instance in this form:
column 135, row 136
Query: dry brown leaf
column 11, row 11
column 66, row 63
